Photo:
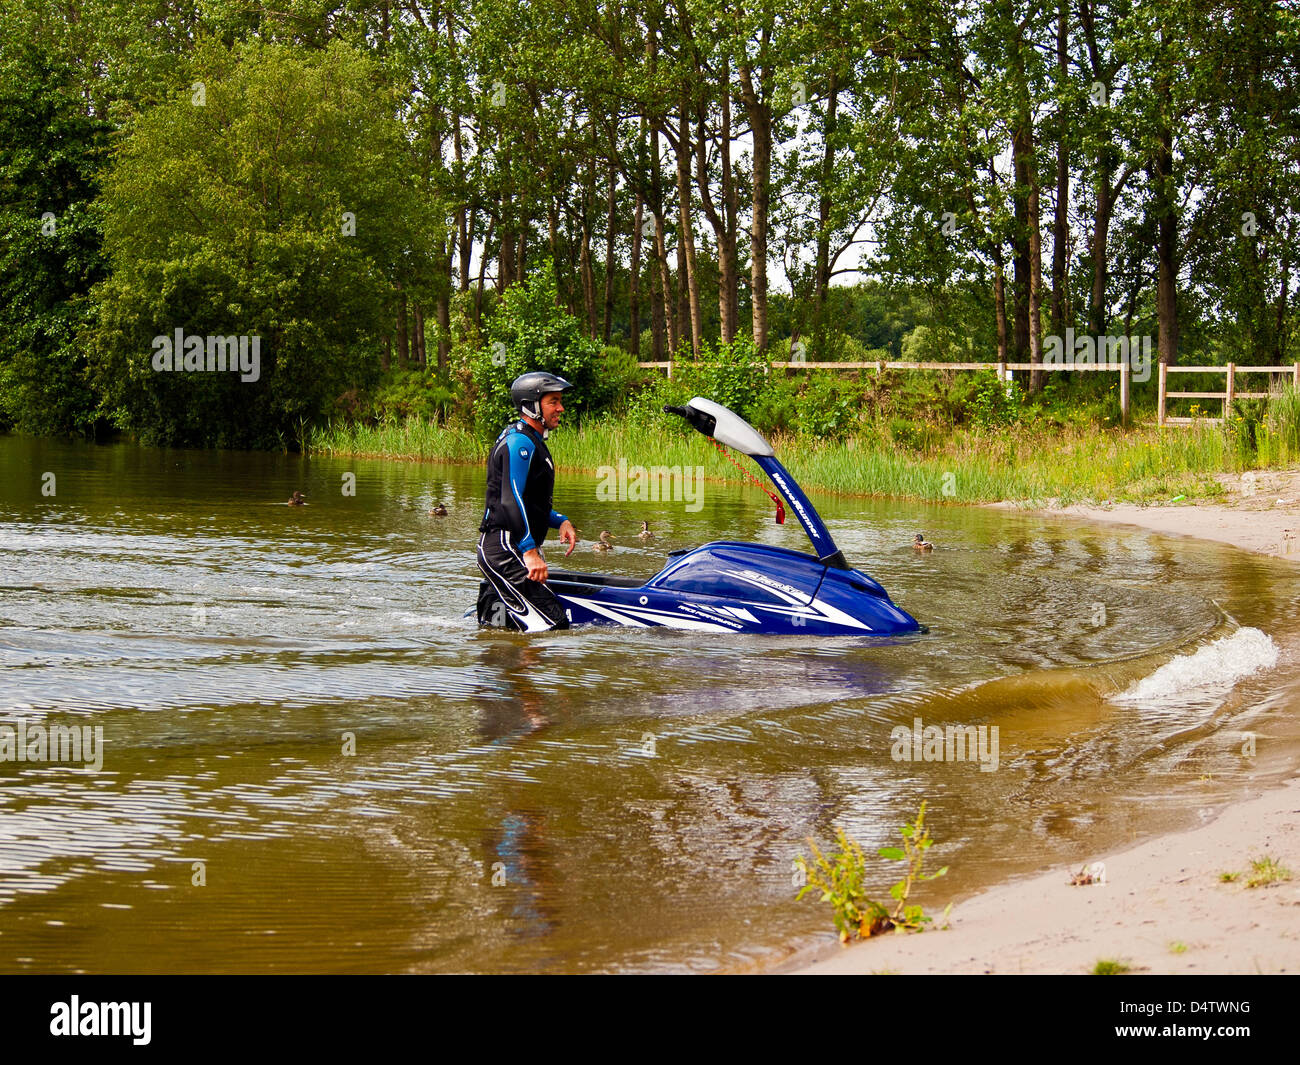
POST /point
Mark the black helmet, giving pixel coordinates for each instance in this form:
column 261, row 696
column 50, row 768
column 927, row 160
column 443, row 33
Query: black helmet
column 528, row 390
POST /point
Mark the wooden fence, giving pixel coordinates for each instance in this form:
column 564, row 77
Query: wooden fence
column 1125, row 371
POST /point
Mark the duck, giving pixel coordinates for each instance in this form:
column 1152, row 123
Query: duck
column 920, row 543
column 645, row 533
column 605, row 543
column 439, row 511
column 296, row 500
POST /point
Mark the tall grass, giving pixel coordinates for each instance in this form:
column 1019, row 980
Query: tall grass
column 1031, row 466
column 413, row 438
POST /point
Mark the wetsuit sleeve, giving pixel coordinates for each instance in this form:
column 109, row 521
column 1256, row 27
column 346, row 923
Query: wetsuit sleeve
column 557, row 519
column 519, row 452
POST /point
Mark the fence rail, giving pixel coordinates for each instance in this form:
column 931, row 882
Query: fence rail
column 1124, row 369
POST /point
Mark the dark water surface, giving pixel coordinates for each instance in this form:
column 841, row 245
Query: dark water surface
column 293, row 698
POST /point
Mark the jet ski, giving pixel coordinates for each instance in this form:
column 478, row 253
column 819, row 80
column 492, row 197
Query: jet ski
column 726, row 586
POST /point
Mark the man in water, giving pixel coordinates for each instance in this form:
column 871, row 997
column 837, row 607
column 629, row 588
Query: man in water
column 518, row 515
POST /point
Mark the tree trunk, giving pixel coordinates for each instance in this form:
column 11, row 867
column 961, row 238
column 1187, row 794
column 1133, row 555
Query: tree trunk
column 611, row 205
column 1035, row 278
column 1166, row 245
column 1060, row 222
column 664, row 293
column 417, row 339
column 403, row 346
column 506, row 265
column 823, row 277
column 657, row 318
column 1000, row 301
column 759, row 113
column 1020, row 259
column 686, row 238
column 1097, row 308
column 587, row 276
column 634, row 281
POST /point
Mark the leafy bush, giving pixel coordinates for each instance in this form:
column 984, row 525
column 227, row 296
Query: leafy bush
column 734, row 374
column 828, row 407
column 529, row 332
column 414, row 394
column 995, row 404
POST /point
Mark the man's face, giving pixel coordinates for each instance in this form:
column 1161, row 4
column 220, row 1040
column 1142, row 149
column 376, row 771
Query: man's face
column 552, row 408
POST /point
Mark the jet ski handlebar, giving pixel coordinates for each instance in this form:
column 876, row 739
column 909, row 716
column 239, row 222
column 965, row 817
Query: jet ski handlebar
column 700, row 420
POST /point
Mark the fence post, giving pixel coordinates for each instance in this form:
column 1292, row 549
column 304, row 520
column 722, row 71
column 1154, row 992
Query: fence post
column 1232, row 388
column 1160, row 395
column 1123, row 393
column 1295, row 377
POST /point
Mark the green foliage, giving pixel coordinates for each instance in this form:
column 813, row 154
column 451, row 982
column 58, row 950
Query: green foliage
column 842, row 881
column 1110, row 967
column 50, row 150
column 734, row 374
column 417, row 393
column 1283, row 419
column 227, row 219
column 530, row 332
column 995, row 404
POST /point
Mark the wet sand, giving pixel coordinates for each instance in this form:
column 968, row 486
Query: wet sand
column 1259, row 512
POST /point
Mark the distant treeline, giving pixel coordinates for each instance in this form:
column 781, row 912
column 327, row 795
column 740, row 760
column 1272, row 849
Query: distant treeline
column 356, row 183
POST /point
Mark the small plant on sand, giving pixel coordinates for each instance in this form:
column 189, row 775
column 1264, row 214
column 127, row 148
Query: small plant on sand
column 1228, row 878
column 841, row 877
column 1267, row 870
column 1178, row 947
column 1109, row 967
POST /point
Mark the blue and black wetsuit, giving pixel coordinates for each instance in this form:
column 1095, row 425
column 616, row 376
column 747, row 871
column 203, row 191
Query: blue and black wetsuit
column 516, row 519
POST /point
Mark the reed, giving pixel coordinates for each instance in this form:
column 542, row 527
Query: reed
column 1030, row 466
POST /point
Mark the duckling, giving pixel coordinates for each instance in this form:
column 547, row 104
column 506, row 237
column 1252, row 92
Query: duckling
column 921, row 544
column 645, row 533
column 439, row 511
column 296, row 500
column 605, row 543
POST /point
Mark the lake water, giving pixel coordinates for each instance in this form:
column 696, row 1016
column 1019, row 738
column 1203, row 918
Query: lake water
column 314, row 761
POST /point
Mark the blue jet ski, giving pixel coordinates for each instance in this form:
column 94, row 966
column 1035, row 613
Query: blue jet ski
column 726, row 586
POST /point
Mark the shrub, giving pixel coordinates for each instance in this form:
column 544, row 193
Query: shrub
column 734, row 374
column 529, row 332
column 994, row 404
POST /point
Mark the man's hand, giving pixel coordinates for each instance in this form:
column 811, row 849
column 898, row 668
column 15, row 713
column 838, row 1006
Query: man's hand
column 536, row 565
column 568, row 535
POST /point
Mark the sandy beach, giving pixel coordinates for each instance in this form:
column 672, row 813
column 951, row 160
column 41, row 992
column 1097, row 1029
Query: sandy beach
column 1164, row 907
column 1259, row 512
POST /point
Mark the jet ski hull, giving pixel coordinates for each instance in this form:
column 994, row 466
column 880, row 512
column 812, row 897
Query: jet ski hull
column 727, row 586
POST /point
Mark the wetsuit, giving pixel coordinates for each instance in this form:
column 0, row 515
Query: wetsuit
column 516, row 519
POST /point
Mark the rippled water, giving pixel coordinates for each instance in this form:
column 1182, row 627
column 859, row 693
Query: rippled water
column 297, row 713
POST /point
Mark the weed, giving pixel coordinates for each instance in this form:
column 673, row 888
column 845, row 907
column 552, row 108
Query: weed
column 1228, row 878
column 1267, row 870
column 841, row 881
column 1178, row 947
column 1109, row 967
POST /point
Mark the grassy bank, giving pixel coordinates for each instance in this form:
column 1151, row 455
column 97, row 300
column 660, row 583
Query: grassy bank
column 1030, row 465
